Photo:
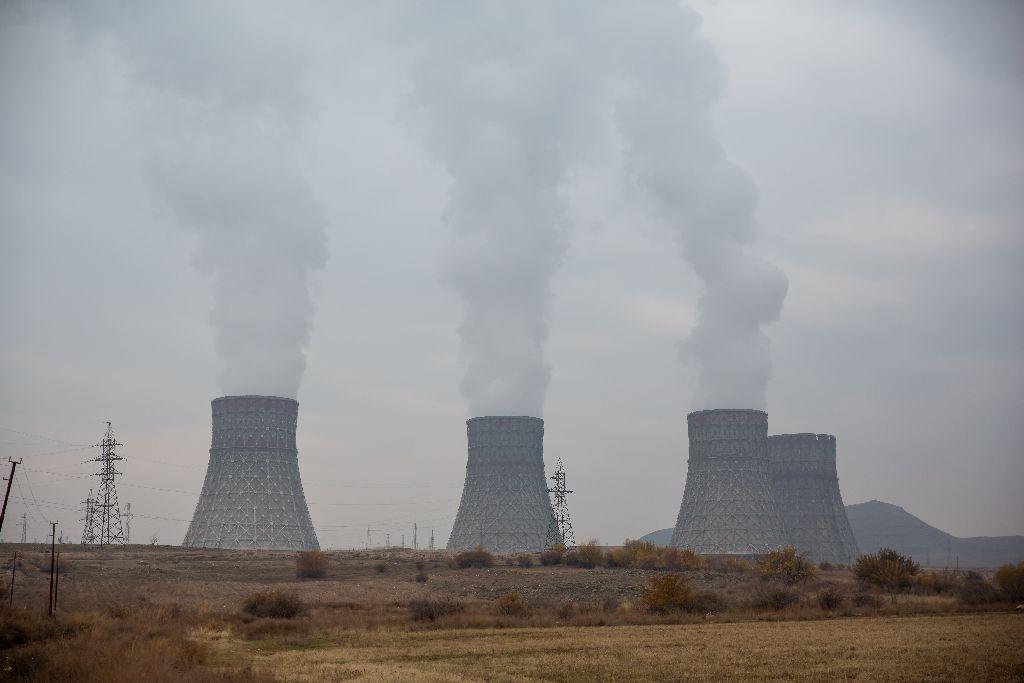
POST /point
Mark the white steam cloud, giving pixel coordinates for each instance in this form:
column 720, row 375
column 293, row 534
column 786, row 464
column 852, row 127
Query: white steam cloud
column 504, row 94
column 498, row 95
column 223, row 88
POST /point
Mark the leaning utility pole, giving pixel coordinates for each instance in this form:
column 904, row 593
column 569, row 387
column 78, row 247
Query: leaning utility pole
column 415, row 544
column 53, row 559
column 7, row 494
column 560, row 528
column 107, row 526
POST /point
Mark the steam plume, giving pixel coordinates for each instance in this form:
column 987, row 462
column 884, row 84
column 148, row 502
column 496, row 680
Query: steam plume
column 498, row 92
column 673, row 79
column 225, row 114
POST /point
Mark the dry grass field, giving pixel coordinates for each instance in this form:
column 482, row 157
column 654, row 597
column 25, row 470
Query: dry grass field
column 964, row 647
column 175, row 614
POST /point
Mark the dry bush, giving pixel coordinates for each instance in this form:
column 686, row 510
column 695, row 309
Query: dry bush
column 565, row 610
column 773, row 597
column 432, row 609
column 975, row 590
column 668, row 593
column 311, row 564
column 646, row 555
column 729, row 565
column 262, row 628
column 524, row 561
column 553, row 555
column 509, row 605
column 887, row 569
column 936, row 583
column 421, row 577
column 830, row 598
column 786, row 565
column 867, row 600
column 273, row 604
column 1010, row 579
column 588, row 556
column 610, row 604
column 381, row 567
column 682, row 559
column 708, row 602
column 825, row 566
column 478, row 557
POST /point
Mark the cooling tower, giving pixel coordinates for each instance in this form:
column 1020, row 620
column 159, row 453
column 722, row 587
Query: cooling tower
column 728, row 504
column 505, row 505
column 803, row 469
column 252, row 496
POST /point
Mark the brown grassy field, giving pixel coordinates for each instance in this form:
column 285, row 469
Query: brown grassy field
column 175, row 614
column 964, row 647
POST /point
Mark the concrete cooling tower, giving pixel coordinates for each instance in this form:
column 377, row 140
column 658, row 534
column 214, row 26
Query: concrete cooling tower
column 728, row 503
column 252, row 496
column 803, row 470
column 505, row 505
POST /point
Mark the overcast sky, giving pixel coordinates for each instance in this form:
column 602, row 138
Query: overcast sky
column 885, row 141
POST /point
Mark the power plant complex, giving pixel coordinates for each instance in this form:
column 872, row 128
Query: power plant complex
column 505, row 505
column 748, row 493
column 252, row 496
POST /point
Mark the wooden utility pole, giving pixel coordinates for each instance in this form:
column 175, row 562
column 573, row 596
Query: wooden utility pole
column 14, row 568
column 53, row 559
column 7, row 493
column 56, row 582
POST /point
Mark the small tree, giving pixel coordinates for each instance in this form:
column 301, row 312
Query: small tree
column 887, row 569
column 590, row 555
column 1010, row 579
column 668, row 593
column 787, row 565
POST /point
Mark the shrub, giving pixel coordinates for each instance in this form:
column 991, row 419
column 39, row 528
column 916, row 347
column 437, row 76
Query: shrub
column 787, row 565
column 825, row 566
column 726, row 564
column 524, row 561
column 381, row 567
column 1010, row 579
column 553, row 555
column 421, row 577
column 610, row 604
column 311, row 564
column 509, row 605
column 708, row 602
column 668, row 593
column 565, row 610
column 773, row 597
column 677, row 559
column 273, row 604
column 867, row 600
column 830, row 598
column 478, row 557
column 887, row 569
column 430, row 609
column 590, row 555
column 975, row 590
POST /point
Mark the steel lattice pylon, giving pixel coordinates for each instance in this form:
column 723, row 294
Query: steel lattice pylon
column 803, row 470
column 252, row 496
column 88, row 530
column 728, row 504
column 104, row 526
column 505, row 505
column 560, row 529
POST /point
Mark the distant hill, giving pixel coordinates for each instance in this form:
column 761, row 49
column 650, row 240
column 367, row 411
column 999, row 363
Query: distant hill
column 884, row 525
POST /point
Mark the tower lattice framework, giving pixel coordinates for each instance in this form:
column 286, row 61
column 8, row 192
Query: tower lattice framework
column 728, row 504
column 803, row 469
column 505, row 505
column 88, row 529
column 560, row 529
column 105, row 526
column 252, row 496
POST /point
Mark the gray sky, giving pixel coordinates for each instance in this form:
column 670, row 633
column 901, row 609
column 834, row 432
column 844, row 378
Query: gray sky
column 885, row 141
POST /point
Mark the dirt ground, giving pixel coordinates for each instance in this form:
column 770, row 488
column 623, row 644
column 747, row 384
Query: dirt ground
column 91, row 578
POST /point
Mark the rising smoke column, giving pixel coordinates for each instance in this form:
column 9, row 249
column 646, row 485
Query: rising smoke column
column 670, row 79
column 221, row 86
column 498, row 92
